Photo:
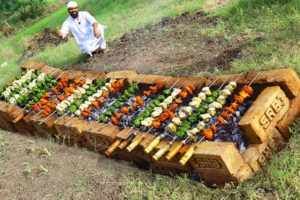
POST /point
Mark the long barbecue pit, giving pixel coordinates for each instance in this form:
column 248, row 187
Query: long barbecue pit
column 220, row 128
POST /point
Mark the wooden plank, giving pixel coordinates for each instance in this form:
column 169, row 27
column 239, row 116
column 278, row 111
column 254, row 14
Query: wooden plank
column 257, row 155
column 95, row 74
column 51, row 70
column 71, row 74
column 293, row 113
column 169, row 81
column 128, row 74
column 266, row 111
column 32, row 65
column 151, row 79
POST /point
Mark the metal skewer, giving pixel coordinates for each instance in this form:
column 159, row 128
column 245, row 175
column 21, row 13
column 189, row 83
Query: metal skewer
column 190, row 151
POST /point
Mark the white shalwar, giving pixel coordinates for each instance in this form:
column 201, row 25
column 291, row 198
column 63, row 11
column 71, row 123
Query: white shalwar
column 83, row 31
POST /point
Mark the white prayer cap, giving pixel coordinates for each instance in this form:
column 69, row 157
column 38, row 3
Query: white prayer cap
column 72, row 4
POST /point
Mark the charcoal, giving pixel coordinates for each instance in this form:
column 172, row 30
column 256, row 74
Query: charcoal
column 122, row 126
column 143, row 129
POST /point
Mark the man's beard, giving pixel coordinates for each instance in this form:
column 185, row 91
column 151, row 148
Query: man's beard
column 73, row 14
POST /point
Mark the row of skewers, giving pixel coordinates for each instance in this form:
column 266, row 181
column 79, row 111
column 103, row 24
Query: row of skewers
column 179, row 115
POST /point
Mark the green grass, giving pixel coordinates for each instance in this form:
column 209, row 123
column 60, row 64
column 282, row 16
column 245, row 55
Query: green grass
column 120, row 17
column 273, row 27
column 279, row 180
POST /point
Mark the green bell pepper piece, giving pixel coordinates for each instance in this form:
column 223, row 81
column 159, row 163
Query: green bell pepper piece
column 180, row 134
column 108, row 113
column 167, row 92
column 73, row 108
column 130, row 90
column 102, row 118
column 135, row 87
column 192, row 119
column 161, row 98
column 137, row 123
column 77, row 103
column 209, row 100
column 117, row 104
column 200, row 110
column 156, row 102
column 215, row 94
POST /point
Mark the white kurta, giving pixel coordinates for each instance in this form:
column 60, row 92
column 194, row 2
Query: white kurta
column 83, row 31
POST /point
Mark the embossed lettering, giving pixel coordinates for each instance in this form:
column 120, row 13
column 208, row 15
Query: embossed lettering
column 262, row 160
column 208, row 163
column 264, row 122
column 270, row 114
column 275, row 107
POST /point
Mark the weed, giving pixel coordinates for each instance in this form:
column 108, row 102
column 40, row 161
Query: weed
column 80, row 185
column 42, row 170
column 45, row 152
column 32, row 147
column 27, row 169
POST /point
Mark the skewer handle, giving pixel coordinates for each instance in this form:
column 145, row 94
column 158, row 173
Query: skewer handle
column 188, row 154
column 161, row 152
column 112, row 148
column 174, row 151
column 124, row 144
column 152, row 145
column 137, row 140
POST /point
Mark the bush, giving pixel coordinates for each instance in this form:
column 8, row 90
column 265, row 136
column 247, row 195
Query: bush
column 14, row 10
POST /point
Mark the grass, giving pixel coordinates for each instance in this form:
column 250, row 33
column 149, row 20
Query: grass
column 273, row 27
column 120, row 17
column 279, row 180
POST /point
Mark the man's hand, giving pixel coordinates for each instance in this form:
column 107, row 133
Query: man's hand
column 97, row 33
column 58, row 32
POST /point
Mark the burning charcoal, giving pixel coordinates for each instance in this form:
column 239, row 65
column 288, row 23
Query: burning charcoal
column 238, row 114
column 122, row 126
column 218, row 140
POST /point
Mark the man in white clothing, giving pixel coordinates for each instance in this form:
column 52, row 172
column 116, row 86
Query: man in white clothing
column 88, row 33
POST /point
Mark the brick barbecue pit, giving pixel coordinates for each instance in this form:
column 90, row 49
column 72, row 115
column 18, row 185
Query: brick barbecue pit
column 238, row 150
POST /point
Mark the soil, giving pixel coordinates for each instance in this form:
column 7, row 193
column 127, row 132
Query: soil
column 172, row 46
column 41, row 41
column 73, row 173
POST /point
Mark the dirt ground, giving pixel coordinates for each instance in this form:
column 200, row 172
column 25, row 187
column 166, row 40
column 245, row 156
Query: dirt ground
column 173, row 46
column 41, row 41
column 73, row 173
